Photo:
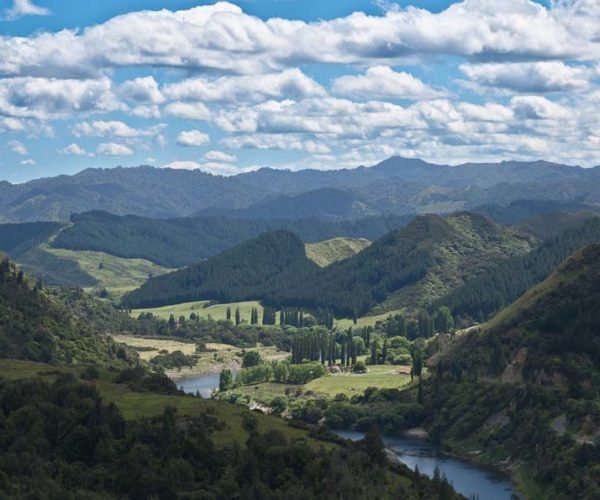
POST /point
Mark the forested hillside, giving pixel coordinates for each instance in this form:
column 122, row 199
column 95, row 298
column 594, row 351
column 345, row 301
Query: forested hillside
column 184, row 241
column 257, row 268
column 34, row 326
column 490, row 292
column 523, row 388
column 412, row 267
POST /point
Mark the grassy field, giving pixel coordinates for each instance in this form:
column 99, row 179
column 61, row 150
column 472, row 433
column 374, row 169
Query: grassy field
column 218, row 357
column 325, row 253
column 136, row 405
column 115, row 274
column 382, row 377
column 204, row 310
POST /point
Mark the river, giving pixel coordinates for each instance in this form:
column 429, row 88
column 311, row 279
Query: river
column 203, row 384
column 466, row 477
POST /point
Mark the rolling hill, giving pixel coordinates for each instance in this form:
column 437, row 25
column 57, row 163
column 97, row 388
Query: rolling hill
column 522, row 389
column 409, row 267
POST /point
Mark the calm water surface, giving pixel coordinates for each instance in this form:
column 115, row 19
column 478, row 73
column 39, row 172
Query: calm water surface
column 467, row 478
column 204, row 384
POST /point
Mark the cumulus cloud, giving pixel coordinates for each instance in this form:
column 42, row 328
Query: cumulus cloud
column 222, row 37
column 75, row 150
column 292, row 84
column 188, row 110
column 22, row 8
column 143, row 90
column 285, row 142
column 52, row 98
column 220, row 156
column 192, row 138
column 28, row 162
column 113, row 149
column 104, row 129
column 536, row 77
column 381, row 82
column 17, row 147
column 539, row 108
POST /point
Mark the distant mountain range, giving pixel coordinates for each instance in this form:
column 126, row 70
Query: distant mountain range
column 393, row 187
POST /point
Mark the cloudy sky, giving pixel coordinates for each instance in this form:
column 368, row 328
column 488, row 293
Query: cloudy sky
column 231, row 86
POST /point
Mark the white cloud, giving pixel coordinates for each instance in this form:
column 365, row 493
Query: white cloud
column 17, row 148
column 188, row 110
column 146, row 111
column 51, row 98
column 285, row 142
column 22, row 8
column 113, row 149
column 193, row 138
column 11, row 125
column 291, row 83
column 143, row 90
column 220, row 156
column 536, row 77
column 539, row 108
column 381, row 82
column 222, row 37
column 74, row 149
column 101, row 128
column 28, row 162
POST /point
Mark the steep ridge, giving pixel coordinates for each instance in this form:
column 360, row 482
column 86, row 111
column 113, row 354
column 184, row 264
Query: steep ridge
column 523, row 388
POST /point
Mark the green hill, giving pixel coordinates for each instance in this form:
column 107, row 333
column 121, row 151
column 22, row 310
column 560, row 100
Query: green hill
column 34, row 326
column 327, row 252
column 524, row 387
column 411, row 267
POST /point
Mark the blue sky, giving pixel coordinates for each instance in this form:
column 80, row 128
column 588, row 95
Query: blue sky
column 232, row 86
